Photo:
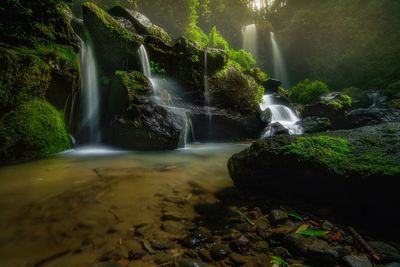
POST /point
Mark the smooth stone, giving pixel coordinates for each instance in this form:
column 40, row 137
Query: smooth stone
column 319, row 252
column 162, row 244
column 219, row 252
column 357, row 261
column 238, row 258
column 393, row 264
column 162, row 257
column 173, row 227
column 106, row 264
column 386, row 252
column 262, row 246
column 327, row 226
column 278, row 217
column 197, row 238
column 186, row 262
column 136, row 254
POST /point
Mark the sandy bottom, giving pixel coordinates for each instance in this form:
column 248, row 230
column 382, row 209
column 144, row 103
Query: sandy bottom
column 68, row 209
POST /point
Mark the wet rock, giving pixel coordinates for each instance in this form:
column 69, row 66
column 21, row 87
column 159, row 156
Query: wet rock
column 393, row 264
column 363, row 117
column 162, row 258
column 106, row 264
column 357, row 261
column 143, row 230
column 327, row 225
column 162, row 244
column 205, row 255
column 241, row 244
column 186, row 262
column 386, row 252
column 238, row 258
column 219, row 252
column 280, row 232
column 136, row 254
column 278, row 217
column 315, row 124
column 319, row 252
column 173, row 227
column 278, row 129
column 261, row 246
column 197, row 238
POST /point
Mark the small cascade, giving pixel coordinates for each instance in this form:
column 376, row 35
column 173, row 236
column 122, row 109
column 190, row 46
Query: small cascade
column 250, row 39
column 279, row 70
column 281, row 114
column 90, row 93
column 163, row 89
column 207, row 104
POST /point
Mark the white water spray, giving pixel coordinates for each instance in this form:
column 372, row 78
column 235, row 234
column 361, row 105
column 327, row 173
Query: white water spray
column 144, row 60
column 90, row 92
column 250, row 41
column 282, row 114
column 279, row 71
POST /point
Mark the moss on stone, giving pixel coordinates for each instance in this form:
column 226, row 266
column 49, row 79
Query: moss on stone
column 35, row 129
column 111, row 25
column 27, row 71
column 342, row 102
column 395, row 103
column 134, row 82
column 339, row 156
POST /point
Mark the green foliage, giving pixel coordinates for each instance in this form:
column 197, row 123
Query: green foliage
column 343, row 102
column 339, row 157
column 279, row 262
column 308, row 92
column 312, row 232
column 195, row 33
column 395, row 103
column 157, row 69
column 34, row 129
column 216, row 40
column 284, row 92
column 393, row 90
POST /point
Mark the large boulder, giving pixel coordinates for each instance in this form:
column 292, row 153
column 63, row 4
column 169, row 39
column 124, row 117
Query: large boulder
column 231, row 90
column 141, row 23
column 146, row 126
column 34, row 129
column 371, row 116
column 110, row 38
column 355, row 170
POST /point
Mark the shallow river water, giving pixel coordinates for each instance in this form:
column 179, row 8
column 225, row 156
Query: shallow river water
column 66, row 209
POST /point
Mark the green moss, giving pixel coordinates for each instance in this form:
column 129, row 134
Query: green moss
column 308, row 92
column 27, row 71
column 157, row 69
column 110, row 23
column 393, row 90
column 339, row 156
column 343, row 102
column 135, row 82
column 34, row 129
column 395, row 103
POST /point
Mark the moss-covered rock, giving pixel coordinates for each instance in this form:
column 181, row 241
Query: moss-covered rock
column 141, row 23
column 125, row 86
column 308, row 92
column 230, row 89
column 350, row 169
column 34, row 129
column 45, row 71
column 111, row 39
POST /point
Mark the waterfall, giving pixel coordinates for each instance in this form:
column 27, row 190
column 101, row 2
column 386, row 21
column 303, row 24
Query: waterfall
column 250, row 40
column 162, row 95
column 282, row 114
column 279, row 70
column 90, row 92
column 207, row 103
column 144, row 60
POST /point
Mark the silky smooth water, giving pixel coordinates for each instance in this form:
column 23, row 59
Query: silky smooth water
column 63, row 207
column 250, row 40
column 279, row 70
column 282, row 114
column 90, row 93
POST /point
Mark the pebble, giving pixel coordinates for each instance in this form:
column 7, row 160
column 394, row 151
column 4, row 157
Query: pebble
column 162, row 244
column 386, row 252
column 173, row 227
column 219, row 252
column 163, row 257
column 238, row 258
column 278, row 217
column 186, row 262
column 357, row 261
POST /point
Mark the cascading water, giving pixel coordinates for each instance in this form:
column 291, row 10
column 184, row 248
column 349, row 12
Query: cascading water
column 90, row 93
column 163, row 97
column 279, row 70
column 282, row 114
column 250, row 40
column 206, row 90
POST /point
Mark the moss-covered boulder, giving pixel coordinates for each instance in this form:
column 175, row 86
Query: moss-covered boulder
column 44, row 71
column 140, row 22
column 355, row 170
column 34, row 129
column 231, row 90
column 125, row 86
column 112, row 39
column 147, row 126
